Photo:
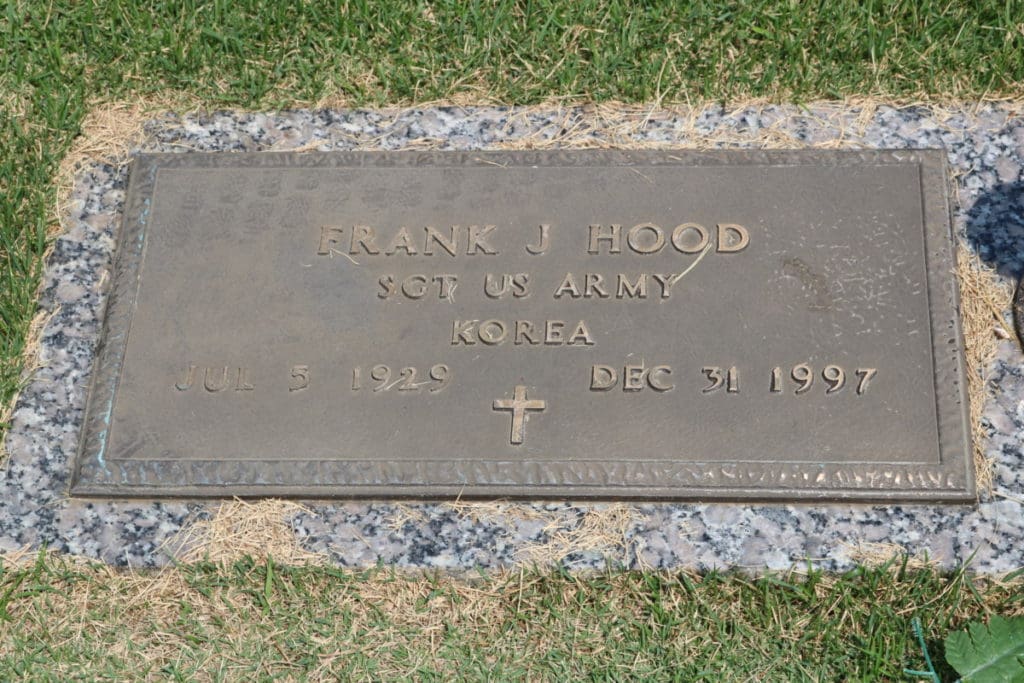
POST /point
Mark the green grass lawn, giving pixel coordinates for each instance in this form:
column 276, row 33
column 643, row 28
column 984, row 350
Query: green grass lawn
column 257, row 621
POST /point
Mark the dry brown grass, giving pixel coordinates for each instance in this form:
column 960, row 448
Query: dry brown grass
column 239, row 529
column 602, row 529
column 109, row 132
column 15, row 97
column 261, row 529
column 868, row 554
column 984, row 302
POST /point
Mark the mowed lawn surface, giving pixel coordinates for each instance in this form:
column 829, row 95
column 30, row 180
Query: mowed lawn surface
column 254, row 620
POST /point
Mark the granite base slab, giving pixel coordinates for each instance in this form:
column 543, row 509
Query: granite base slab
column 985, row 147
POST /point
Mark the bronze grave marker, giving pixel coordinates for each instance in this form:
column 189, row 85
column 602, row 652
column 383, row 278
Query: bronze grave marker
column 671, row 324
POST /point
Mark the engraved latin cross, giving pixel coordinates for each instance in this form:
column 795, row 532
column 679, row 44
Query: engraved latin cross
column 519, row 405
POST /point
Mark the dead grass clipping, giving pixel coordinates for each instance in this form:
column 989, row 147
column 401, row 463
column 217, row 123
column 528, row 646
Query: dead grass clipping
column 239, row 529
column 984, row 300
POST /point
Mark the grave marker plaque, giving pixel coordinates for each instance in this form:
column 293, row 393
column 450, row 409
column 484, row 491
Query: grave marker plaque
column 670, row 324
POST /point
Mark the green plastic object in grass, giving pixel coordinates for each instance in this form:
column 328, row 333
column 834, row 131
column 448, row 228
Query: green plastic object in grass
column 984, row 654
column 930, row 674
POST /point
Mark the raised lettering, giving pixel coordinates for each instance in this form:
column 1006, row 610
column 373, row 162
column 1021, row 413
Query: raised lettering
column 612, row 237
column 363, row 236
column 445, row 285
column 434, row 237
column 300, row 378
column 666, row 282
column 544, row 240
column 525, row 332
column 212, row 384
column 739, row 242
column 593, row 286
column 636, row 290
column 329, row 236
column 636, row 242
column 478, row 239
column 190, row 375
column 581, row 335
column 569, row 287
column 679, row 238
column 402, row 241
column 522, row 332
column 387, row 285
column 242, row 382
column 659, row 384
column 492, row 332
column 415, row 286
column 519, row 282
column 462, row 331
column 496, row 292
column 633, row 378
column 602, row 378
column 553, row 332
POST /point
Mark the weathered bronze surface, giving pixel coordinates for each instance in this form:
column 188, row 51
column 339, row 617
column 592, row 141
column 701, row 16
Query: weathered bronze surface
column 672, row 324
